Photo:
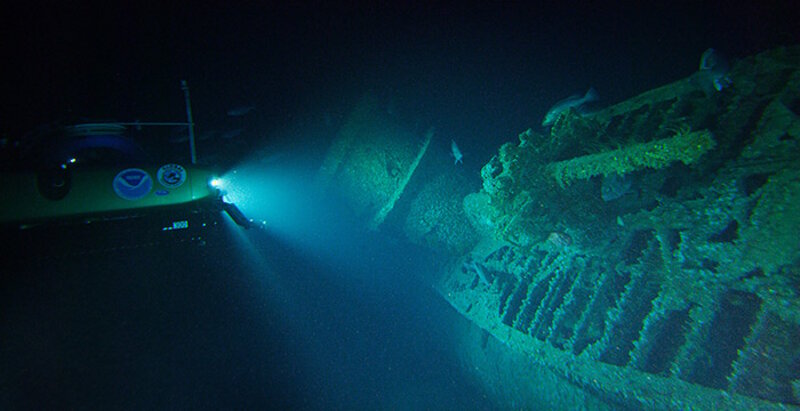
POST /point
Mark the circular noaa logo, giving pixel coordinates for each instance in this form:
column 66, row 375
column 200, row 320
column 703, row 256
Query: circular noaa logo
column 171, row 175
column 132, row 183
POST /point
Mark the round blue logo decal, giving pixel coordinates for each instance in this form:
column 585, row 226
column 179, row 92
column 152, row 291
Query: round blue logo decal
column 132, row 184
column 171, row 175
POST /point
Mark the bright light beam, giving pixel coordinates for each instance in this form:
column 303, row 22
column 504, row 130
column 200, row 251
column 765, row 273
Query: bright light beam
column 285, row 198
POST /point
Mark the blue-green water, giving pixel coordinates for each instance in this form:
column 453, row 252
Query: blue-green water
column 192, row 326
column 313, row 313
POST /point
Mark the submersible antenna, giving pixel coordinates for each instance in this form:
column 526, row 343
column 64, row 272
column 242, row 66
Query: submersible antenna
column 189, row 121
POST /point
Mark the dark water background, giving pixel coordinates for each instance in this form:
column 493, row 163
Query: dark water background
column 480, row 74
column 217, row 326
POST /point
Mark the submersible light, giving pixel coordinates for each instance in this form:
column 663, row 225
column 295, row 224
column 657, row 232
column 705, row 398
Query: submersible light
column 231, row 209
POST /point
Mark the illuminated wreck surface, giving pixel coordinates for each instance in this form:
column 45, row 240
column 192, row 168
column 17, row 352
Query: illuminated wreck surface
column 680, row 291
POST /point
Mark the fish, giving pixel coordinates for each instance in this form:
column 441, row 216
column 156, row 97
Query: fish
column 714, row 70
column 615, row 186
column 456, row 152
column 576, row 102
column 241, row 111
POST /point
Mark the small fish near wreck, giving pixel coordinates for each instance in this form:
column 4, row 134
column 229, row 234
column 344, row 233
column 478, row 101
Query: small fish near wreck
column 577, row 102
column 713, row 70
column 456, row 152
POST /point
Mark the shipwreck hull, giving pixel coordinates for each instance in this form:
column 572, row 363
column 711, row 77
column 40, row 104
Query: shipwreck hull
column 609, row 333
column 681, row 296
column 648, row 254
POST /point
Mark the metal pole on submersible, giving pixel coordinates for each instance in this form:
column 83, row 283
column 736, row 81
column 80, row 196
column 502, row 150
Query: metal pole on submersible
column 189, row 121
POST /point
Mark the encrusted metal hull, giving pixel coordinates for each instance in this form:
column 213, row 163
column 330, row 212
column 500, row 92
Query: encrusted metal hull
column 679, row 290
column 610, row 333
column 684, row 295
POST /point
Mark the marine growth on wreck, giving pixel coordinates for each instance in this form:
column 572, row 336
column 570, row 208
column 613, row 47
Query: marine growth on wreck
column 650, row 252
